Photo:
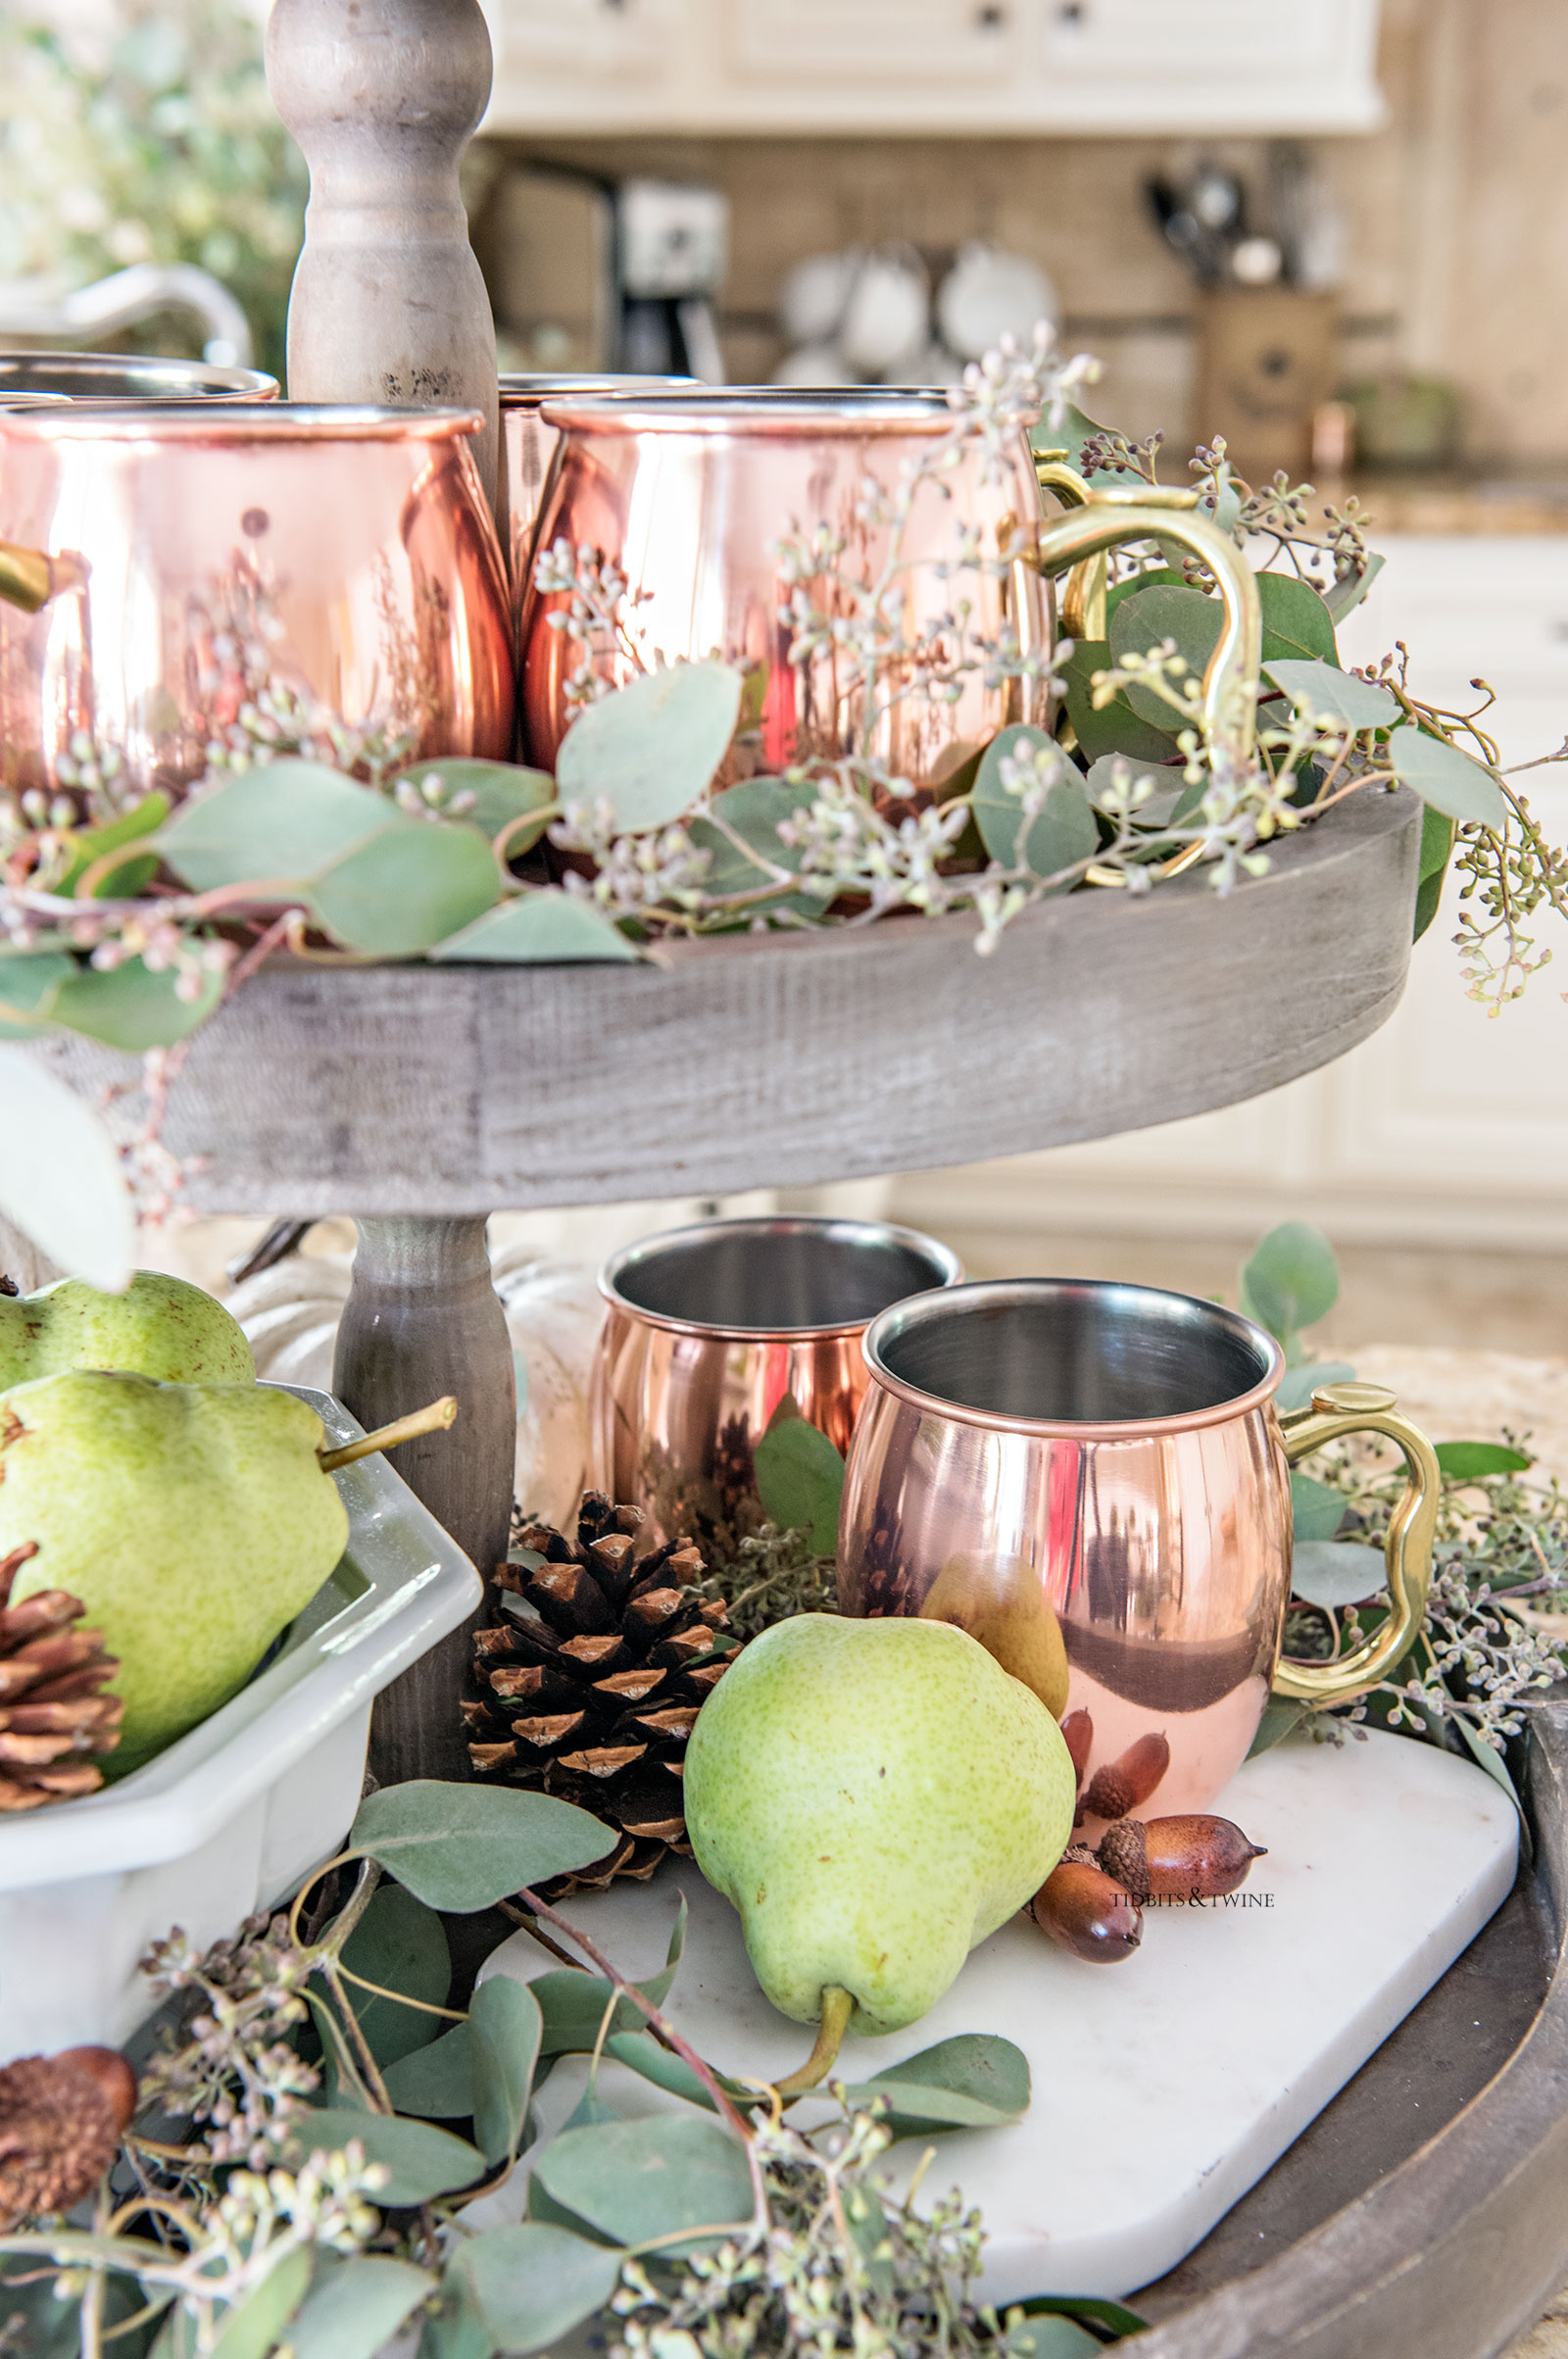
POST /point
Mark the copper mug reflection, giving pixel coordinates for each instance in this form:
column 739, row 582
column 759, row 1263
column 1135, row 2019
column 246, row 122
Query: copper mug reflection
column 1122, row 1447
column 200, row 558
column 710, row 1328
column 528, row 444
column 688, row 494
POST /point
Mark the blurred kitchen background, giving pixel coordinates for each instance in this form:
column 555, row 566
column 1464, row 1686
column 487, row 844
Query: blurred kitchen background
column 1336, row 232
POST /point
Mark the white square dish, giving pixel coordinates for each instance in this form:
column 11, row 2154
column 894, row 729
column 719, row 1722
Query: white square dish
column 237, row 1813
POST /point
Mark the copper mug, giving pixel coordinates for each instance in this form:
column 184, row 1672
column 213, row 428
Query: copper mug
column 168, row 567
column 1117, row 1450
column 125, row 376
column 710, row 1328
column 689, row 493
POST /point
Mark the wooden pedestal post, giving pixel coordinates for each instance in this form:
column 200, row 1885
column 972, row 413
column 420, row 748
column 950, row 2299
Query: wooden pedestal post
column 388, row 303
column 424, row 1319
column 389, row 306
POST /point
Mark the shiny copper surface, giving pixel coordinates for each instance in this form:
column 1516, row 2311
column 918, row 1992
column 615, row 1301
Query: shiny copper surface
column 1124, row 1443
column 341, row 556
column 688, row 494
column 528, row 444
column 710, row 1328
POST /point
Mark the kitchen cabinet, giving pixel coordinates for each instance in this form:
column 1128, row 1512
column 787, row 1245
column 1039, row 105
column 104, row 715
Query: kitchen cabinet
column 933, row 67
column 1448, row 1126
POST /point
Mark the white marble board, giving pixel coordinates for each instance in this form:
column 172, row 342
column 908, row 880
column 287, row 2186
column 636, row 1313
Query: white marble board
column 1165, row 2086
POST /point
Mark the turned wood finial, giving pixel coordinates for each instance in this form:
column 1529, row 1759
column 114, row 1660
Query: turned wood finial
column 388, row 303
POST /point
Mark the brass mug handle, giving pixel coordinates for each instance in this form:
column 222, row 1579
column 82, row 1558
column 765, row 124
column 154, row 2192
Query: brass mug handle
column 1107, row 520
column 28, row 578
column 1351, row 1409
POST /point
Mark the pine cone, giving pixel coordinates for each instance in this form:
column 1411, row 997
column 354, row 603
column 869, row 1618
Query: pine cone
column 61, row 2119
column 52, row 1716
column 590, row 1682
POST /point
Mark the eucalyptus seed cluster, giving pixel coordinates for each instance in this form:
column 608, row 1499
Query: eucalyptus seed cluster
column 1479, row 1661
column 230, row 2067
column 843, row 2265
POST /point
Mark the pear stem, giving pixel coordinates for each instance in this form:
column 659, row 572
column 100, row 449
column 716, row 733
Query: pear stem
column 429, row 1420
column 837, row 2007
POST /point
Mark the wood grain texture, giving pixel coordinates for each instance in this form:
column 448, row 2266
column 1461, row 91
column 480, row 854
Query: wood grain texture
column 423, row 1318
column 1449, row 2253
column 772, row 1061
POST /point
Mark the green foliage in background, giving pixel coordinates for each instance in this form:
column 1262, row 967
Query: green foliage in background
column 147, row 135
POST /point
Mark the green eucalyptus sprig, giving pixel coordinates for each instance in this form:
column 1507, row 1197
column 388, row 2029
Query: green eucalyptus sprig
column 295, row 2181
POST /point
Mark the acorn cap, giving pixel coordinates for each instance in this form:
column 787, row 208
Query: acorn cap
column 1124, row 1856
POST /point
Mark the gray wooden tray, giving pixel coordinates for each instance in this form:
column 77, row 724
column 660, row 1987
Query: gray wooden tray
column 1425, row 2212
column 419, row 1098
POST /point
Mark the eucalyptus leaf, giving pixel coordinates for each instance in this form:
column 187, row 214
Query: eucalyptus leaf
column 1468, row 1462
column 1159, row 808
column 1292, row 1279
column 438, row 2081
column 505, row 2023
column 753, row 810
column 1112, row 2317
column 572, row 2005
column 463, row 1848
column 977, row 2079
column 401, row 1944
column 1113, row 728
column 1279, row 1719
column 650, row 748
column 252, row 2327
column 1048, row 2338
column 1325, row 693
column 504, row 793
column 639, row 2180
column 423, row 2161
column 281, row 823
column 1345, row 596
column 541, row 929
column 1152, row 577
column 29, row 981
column 1337, row 1572
column 1296, row 621
column 1145, row 621
column 1447, row 779
column 800, row 1479
column 132, row 1006
column 1437, row 848
column 1487, row 1757
column 60, row 1177
column 532, row 2284
column 642, row 2055
column 455, row 2329
column 1317, row 1509
column 1298, row 1384
column 407, row 888
column 357, row 2307
column 1061, row 833
column 89, row 845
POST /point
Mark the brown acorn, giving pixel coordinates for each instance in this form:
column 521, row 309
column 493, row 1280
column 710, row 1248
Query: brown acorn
column 60, row 2120
column 1084, row 1911
column 1078, row 1733
column 1125, row 1783
column 1192, row 1856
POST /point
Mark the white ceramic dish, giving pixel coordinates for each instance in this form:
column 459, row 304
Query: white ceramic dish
column 237, row 1813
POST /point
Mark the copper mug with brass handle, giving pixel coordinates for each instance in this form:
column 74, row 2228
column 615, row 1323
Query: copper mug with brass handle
column 1108, row 1458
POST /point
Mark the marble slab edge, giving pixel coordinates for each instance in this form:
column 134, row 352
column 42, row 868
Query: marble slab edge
column 764, row 1060
column 1459, row 2246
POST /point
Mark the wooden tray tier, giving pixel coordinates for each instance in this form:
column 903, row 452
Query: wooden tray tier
column 766, row 1060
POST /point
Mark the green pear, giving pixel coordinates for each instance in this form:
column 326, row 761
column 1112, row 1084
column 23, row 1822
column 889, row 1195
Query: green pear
column 874, row 1797
column 160, row 1326
column 193, row 1521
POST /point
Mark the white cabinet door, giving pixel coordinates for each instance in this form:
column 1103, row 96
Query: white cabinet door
column 904, row 44
column 581, row 40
